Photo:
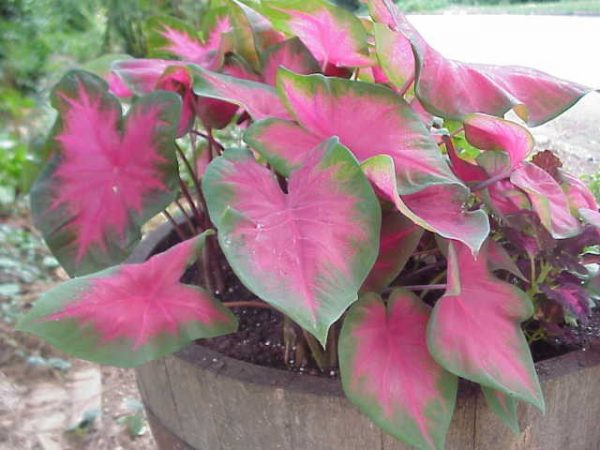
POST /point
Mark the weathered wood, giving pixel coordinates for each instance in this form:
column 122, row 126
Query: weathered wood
column 211, row 402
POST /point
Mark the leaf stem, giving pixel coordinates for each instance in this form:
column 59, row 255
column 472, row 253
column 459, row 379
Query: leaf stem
column 176, row 226
column 188, row 219
column 189, row 168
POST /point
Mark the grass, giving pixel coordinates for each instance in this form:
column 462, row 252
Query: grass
column 567, row 7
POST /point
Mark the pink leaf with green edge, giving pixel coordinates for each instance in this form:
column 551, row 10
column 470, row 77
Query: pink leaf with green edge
column 437, row 208
column 492, row 133
column 548, row 200
column 388, row 373
column 504, row 406
column 386, row 125
column 130, row 314
column 178, row 80
column 395, row 55
column 464, row 170
column 399, row 239
column 453, row 89
column 505, row 198
column 172, row 37
column 117, row 86
column 499, row 259
column 578, row 194
column 141, row 75
column 259, row 100
column 108, row 174
column 307, row 251
column 291, row 54
column 591, row 216
column 283, row 143
column 332, row 34
column 475, row 328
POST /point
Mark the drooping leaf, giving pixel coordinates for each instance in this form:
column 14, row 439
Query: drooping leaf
column 398, row 241
column 307, row 251
column 170, row 37
column 495, row 134
column 453, row 89
column 504, row 406
column 258, row 99
column 447, row 218
column 578, row 194
column 475, row 328
column 130, row 314
column 291, row 54
column 108, row 174
column 332, row 34
column 548, row 161
column 395, row 55
column 388, row 372
column 548, row 200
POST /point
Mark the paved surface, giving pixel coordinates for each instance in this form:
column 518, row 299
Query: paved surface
column 563, row 46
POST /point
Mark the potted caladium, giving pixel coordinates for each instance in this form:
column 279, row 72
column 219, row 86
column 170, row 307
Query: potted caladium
column 359, row 188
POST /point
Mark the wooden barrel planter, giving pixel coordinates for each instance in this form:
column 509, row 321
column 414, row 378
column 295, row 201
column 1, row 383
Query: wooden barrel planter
column 201, row 399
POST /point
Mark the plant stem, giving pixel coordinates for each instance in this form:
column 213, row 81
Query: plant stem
column 482, row 185
column 189, row 168
column 427, row 287
column 186, row 193
column 188, row 219
column 176, row 226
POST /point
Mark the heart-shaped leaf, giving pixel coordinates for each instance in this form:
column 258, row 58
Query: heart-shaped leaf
column 548, row 200
column 307, row 251
column 475, row 328
column 453, row 89
column 130, row 314
column 399, row 239
column 504, row 406
column 108, row 174
column 291, row 54
column 258, row 99
column 332, row 34
column 170, row 37
column 388, row 372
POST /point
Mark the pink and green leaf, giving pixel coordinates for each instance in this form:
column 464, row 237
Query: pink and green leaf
column 259, row 100
column 332, row 34
column 282, row 143
column 130, row 314
column 453, row 89
column 307, row 251
column 439, row 208
column 504, row 406
column 171, row 37
column 399, row 239
column 578, row 194
column 388, row 373
column 548, row 200
column 291, row 54
column 492, row 133
column 499, row 259
column 108, row 173
column 395, row 55
column 142, row 75
column 475, row 328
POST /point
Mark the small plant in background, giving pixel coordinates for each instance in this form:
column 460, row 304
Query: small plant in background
column 354, row 180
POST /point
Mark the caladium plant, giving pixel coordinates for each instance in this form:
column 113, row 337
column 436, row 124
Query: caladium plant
column 353, row 178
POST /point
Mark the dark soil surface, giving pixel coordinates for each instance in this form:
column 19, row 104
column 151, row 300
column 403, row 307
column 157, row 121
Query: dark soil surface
column 259, row 339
